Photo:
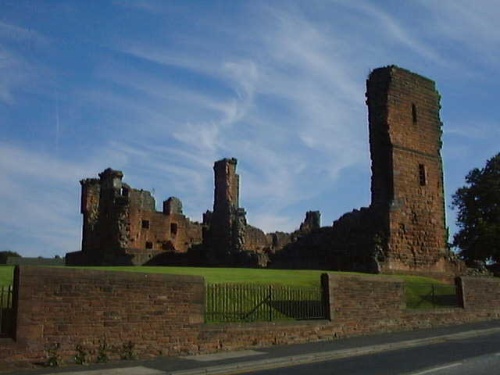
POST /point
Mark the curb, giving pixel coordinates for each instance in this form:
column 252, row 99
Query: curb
column 271, row 363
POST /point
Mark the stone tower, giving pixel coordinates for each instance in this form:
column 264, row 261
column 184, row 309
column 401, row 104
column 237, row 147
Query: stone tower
column 407, row 172
column 227, row 186
column 228, row 221
column 105, row 215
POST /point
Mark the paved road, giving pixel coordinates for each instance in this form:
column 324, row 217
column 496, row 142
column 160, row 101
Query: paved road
column 470, row 348
column 472, row 356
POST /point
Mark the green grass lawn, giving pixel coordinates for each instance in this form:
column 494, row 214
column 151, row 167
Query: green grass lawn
column 6, row 275
column 233, row 275
column 218, row 275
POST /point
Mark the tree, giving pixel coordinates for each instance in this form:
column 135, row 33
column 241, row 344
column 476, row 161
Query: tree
column 5, row 254
column 478, row 205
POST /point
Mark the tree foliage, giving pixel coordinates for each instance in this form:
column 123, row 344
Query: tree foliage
column 478, row 219
column 5, row 254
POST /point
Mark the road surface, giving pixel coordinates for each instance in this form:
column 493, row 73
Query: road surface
column 472, row 356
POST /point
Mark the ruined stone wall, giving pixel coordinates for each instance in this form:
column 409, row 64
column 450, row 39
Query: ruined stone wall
column 311, row 223
column 256, row 240
column 159, row 232
column 403, row 230
column 140, row 199
column 407, row 180
column 91, row 190
column 121, row 225
column 278, row 240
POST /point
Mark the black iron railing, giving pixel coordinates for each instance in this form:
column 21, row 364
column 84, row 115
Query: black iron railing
column 254, row 302
column 428, row 296
column 6, row 310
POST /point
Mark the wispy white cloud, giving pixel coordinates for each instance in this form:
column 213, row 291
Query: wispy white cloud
column 476, row 130
column 470, row 26
column 16, row 71
column 41, row 196
column 14, row 74
column 391, row 28
column 279, row 86
column 10, row 32
column 144, row 5
column 305, row 72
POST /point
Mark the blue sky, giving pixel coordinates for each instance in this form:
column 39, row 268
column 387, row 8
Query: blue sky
column 162, row 89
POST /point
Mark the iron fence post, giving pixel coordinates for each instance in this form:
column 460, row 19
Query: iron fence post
column 433, row 296
column 270, row 297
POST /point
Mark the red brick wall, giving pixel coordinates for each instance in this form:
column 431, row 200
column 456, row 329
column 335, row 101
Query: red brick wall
column 160, row 314
column 353, row 296
column 163, row 314
column 480, row 292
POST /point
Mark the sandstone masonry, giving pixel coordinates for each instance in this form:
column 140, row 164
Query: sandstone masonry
column 407, row 170
column 121, row 225
column 403, row 229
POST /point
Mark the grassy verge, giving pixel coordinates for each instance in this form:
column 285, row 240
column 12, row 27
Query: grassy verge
column 216, row 275
column 6, row 275
column 234, row 275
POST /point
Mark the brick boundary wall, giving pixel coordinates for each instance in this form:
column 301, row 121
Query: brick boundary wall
column 160, row 314
column 479, row 292
column 164, row 314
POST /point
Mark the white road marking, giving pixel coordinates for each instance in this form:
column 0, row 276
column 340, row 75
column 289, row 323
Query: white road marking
column 222, row 355
column 436, row 369
column 138, row 370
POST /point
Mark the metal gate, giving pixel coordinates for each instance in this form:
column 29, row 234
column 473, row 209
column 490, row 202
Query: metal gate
column 431, row 296
column 251, row 302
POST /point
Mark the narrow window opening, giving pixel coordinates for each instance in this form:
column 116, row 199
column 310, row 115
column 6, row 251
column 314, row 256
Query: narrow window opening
column 149, row 245
column 414, row 112
column 145, row 224
column 173, row 229
column 422, row 174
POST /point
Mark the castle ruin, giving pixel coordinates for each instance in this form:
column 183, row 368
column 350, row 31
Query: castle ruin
column 122, row 227
column 407, row 170
column 403, row 229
